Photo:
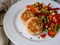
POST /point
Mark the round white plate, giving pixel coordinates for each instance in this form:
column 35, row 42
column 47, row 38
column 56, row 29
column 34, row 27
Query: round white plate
column 16, row 30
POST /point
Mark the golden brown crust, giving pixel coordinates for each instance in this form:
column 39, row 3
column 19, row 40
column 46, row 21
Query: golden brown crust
column 34, row 26
column 26, row 15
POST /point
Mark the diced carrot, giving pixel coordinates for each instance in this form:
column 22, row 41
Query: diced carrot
column 50, row 17
column 34, row 11
column 52, row 24
column 53, row 33
column 46, row 8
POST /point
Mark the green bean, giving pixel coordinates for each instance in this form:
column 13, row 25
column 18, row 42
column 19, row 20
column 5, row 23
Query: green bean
column 56, row 28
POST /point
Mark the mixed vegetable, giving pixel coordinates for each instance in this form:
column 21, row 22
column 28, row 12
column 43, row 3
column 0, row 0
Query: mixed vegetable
column 48, row 15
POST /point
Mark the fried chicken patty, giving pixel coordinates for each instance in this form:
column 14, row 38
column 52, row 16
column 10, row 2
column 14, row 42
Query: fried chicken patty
column 26, row 15
column 34, row 26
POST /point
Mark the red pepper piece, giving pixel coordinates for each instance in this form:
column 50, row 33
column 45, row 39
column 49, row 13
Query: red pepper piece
column 51, row 33
column 48, row 24
column 57, row 18
column 58, row 24
column 28, row 6
column 43, row 35
column 55, row 8
column 49, row 5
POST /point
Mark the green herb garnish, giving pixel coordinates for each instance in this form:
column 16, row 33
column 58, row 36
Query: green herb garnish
column 56, row 28
column 43, row 18
column 43, row 10
column 45, row 30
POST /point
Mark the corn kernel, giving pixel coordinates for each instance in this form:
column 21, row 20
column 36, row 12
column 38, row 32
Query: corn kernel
column 53, row 18
column 43, row 6
column 46, row 26
column 49, row 28
column 51, row 11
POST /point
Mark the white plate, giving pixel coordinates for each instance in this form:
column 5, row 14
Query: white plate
column 13, row 25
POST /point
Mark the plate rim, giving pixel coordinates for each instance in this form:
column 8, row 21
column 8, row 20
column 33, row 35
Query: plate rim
column 5, row 17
